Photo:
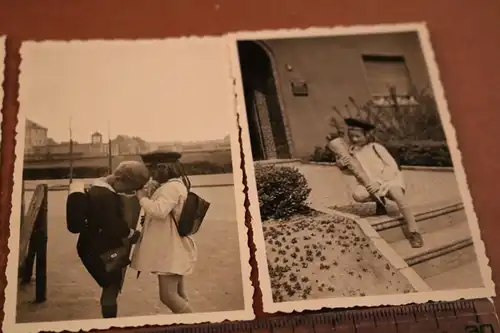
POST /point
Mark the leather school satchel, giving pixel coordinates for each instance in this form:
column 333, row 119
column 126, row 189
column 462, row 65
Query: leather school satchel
column 193, row 212
column 116, row 259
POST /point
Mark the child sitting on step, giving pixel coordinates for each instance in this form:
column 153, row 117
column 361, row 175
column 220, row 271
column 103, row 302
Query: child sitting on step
column 387, row 179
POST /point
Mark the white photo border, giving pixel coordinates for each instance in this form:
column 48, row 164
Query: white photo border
column 9, row 323
column 269, row 305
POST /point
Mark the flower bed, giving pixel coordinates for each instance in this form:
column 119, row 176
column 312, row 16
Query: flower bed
column 321, row 256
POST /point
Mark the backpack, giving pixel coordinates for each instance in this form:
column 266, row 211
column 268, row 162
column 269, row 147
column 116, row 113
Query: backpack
column 193, row 212
column 77, row 205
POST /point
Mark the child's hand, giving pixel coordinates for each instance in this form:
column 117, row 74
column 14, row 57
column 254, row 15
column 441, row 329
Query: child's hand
column 151, row 186
column 141, row 194
column 344, row 161
column 135, row 237
column 373, row 188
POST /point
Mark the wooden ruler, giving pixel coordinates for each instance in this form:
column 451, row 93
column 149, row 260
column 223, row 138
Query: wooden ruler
column 476, row 316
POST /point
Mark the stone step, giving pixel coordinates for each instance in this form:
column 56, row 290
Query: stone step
column 429, row 219
column 448, row 259
column 421, row 211
column 280, row 162
column 455, row 270
column 427, row 223
column 436, row 243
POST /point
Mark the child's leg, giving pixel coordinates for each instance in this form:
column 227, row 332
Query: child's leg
column 169, row 294
column 109, row 304
column 361, row 195
column 397, row 195
column 181, row 288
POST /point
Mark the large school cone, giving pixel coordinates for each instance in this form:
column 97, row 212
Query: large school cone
column 339, row 147
column 150, row 187
column 131, row 214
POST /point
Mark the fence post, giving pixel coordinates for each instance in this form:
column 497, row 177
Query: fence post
column 41, row 249
column 27, row 269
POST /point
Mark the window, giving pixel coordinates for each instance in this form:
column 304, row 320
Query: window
column 385, row 71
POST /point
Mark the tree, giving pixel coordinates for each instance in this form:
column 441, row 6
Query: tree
column 415, row 118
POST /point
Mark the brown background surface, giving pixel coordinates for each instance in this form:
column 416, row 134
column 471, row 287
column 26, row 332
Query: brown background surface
column 464, row 34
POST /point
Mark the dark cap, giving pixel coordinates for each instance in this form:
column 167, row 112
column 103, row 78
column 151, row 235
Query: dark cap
column 351, row 122
column 161, row 156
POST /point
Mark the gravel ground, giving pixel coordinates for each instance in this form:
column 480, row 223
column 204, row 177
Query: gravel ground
column 321, row 256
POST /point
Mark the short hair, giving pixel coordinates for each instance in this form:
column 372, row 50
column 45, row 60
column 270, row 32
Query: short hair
column 134, row 172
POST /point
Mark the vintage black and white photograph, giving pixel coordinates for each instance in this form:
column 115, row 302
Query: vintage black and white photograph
column 128, row 196
column 356, row 189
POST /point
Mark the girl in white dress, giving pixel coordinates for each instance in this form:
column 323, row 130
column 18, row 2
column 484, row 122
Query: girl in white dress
column 161, row 250
column 382, row 169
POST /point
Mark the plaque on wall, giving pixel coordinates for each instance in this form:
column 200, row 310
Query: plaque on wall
column 299, row 88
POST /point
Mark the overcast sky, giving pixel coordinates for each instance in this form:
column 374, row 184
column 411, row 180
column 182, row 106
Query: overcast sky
column 163, row 90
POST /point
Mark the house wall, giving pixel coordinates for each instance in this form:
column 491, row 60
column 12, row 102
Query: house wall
column 334, row 70
column 34, row 137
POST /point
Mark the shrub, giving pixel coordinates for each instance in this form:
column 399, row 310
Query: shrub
column 412, row 132
column 207, row 168
column 421, row 153
column 192, row 169
column 322, row 154
column 282, row 191
column 416, row 153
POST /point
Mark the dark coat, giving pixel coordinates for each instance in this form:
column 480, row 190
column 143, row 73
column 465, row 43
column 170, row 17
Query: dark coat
column 105, row 231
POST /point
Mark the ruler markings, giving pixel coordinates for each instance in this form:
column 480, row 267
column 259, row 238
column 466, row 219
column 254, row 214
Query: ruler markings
column 459, row 316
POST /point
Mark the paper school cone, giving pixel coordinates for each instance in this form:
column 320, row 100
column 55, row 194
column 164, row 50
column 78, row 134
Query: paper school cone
column 341, row 150
column 150, row 187
column 131, row 214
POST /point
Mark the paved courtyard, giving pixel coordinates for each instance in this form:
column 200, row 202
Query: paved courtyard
column 72, row 294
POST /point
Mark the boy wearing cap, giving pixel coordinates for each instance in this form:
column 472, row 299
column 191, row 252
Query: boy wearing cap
column 161, row 250
column 386, row 178
column 106, row 228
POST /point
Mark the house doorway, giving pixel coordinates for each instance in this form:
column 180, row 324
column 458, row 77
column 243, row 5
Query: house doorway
column 266, row 127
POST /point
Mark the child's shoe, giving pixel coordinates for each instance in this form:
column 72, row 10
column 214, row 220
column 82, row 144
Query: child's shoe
column 415, row 239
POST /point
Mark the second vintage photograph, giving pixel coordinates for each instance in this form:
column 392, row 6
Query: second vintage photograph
column 356, row 189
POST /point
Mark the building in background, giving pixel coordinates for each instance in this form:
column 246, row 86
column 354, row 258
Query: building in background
column 39, row 146
column 96, row 147
column 35, row 136
column 292, row 85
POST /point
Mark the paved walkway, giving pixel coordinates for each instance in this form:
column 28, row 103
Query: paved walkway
column 72, row 294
